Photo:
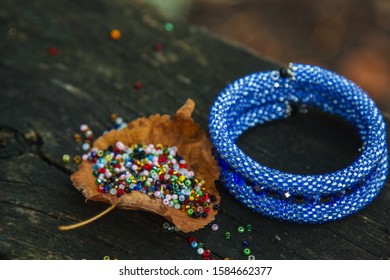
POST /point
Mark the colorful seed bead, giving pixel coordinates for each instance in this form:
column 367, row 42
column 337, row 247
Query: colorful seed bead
column 76, row 159
column 247, row 251
column 240, row 229
column 249, row 227
column 138, row 85
column 157, row 47
column 52, row 51
column 106, row 258
column 214, row 227
column 77, row 137
column 194, row 244
column 200, row 251
column 115, row 34
column 251, row 257
column 169, row 26
column 166, row 225
column 200, row 245
column 245, row 243
column 227, row 235
column 66, row 158
column 206, row 253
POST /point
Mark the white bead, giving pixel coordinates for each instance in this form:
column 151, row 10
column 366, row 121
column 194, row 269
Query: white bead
column 200, row 251
column 113, row 191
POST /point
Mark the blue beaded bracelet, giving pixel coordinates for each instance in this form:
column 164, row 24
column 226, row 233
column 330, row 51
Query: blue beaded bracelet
column 267, row 96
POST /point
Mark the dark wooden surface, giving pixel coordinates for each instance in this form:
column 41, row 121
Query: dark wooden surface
column 44, row 99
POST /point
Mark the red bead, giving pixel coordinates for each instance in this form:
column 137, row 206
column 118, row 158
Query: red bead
column 170, row 171
column 191, row 239
column 138, row 85
column 102, row 170
column 206, row 253
column 52, row 51
column 206, row 209
column 116, row 150
column 183, row 165
column 157, row 47
column 163, row 158
column 162, row 177
column 147, row 167
column 121, row 191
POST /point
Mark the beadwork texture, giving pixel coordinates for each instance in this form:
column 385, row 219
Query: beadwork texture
column 267, row 96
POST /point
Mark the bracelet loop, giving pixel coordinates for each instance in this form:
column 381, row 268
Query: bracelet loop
column 267, row 96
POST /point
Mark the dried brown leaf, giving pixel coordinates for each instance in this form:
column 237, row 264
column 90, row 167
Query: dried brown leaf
column 180, row 131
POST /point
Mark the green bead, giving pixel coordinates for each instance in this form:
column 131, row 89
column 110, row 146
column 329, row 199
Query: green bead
column 128, row 180
column 147, row 183
column 95, row 173
column 240, row 229
column 227, row 235
column 247, row 251
column 190, row 212
column 187, row 183
column 249, row 227
column 200, row 245
column 169, row 26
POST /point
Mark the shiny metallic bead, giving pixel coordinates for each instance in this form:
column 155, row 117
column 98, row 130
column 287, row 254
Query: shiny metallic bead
column 251, row 257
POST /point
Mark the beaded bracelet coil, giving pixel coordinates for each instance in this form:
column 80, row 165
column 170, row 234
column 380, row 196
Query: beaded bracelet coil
column 266, row 96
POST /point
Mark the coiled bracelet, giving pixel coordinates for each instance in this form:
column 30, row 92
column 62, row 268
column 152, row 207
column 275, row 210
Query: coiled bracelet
column 267, row 96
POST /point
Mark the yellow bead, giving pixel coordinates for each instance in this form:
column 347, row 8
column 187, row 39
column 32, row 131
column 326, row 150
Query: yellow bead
column 107, row 258
column 191, row 198
column 66, row 158
column 115, row 34
column 77, row 137
column 76, row 159
column 182, row 178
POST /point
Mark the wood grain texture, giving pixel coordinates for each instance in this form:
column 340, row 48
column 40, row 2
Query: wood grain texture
column 44, row 99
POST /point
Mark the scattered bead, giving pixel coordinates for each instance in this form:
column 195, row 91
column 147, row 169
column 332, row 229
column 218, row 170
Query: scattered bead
column 85, row 147
column 200, row 251
column 214, row 227
column 138, row 85
column 216, row 206
column 77, row 159
column 246, row 251
column 106, row 258
column 166, row 225
column 194, row 244
column 226, row 259
column 206, row 253
column 66, row 158
column 157, row 47
column 249, row 227
column 168, row 26
column 245, row 243
column 52, row 51
column 77, row 137
column 115, row 34
column 227, row 235
column 240, row 229
column 251, row 257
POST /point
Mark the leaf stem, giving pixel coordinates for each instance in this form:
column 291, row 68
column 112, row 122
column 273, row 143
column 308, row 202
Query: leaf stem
column 83, row 223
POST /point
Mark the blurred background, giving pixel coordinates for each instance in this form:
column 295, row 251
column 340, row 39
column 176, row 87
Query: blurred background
column 350, row 37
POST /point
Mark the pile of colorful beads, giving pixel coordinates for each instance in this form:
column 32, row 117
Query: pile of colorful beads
column 156, row 171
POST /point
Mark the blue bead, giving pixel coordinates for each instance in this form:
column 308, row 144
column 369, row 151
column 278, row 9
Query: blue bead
column 194, row 244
